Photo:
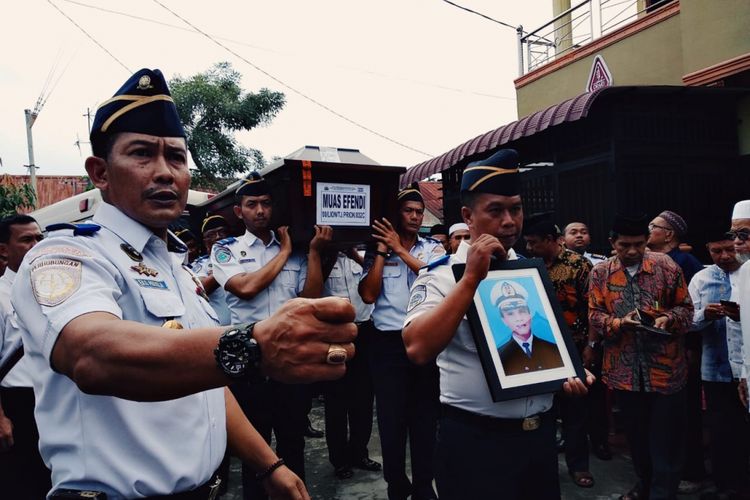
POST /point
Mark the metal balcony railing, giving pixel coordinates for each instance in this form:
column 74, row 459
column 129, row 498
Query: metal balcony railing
column 576, row 27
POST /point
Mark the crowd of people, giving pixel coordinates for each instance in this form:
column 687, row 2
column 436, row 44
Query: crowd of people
column 118, row 380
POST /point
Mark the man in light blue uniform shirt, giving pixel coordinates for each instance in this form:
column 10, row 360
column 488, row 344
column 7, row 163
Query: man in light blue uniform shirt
column 22, row 471
column 405, row 394
column 721, row 335
column 128, row 358
column 261, row 272
column 349, row 401
column 213, row 228
column 484, row 449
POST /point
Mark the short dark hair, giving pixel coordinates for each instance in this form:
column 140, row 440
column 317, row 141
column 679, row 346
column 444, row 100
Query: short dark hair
column 469, row 198
column 102, row 147
column 13, row 220
column 238, row 198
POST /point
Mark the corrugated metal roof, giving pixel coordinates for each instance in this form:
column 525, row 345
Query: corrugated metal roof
column 566, row 111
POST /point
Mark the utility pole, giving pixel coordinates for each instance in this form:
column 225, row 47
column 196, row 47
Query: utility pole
column 30, row 119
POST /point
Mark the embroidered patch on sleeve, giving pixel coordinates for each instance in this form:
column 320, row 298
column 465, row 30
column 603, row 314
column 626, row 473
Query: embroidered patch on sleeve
column 53, row 281
column 418, row 295
column 223, row 255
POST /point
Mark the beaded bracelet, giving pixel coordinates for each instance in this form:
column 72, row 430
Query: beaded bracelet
column 260, row 476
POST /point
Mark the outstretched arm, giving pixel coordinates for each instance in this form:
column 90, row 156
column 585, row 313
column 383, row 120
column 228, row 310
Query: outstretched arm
column 427, row 334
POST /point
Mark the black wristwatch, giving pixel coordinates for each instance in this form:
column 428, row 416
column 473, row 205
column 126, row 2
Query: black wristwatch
column 238, row 353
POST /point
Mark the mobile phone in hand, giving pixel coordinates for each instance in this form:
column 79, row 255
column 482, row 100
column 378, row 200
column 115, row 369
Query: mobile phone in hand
column 729, row 303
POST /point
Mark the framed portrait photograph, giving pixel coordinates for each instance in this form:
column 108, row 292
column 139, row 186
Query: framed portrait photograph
column 522, row 340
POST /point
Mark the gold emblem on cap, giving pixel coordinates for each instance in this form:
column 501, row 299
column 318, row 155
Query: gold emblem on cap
column 172, row 324
column 144, row 83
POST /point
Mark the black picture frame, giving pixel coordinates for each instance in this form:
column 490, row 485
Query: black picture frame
column 489, row 328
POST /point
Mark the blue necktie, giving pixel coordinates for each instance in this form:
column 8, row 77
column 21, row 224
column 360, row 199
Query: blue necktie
column 526, row 348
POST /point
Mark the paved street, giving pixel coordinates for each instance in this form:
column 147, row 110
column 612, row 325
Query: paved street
column 612, row 477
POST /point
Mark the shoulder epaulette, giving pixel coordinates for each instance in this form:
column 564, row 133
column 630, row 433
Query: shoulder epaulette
column 227, row 241
column 437, row 262
column 78, row 229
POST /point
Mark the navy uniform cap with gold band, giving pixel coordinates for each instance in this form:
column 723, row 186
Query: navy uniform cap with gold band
column 253, row 185
column 213, row 222
column 410, row 193
column 497, row 174
column 142, row 105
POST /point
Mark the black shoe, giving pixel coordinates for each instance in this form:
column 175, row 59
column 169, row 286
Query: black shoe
column 343, row 472
column 312, row 432
column 367, row 464
column 602, row 452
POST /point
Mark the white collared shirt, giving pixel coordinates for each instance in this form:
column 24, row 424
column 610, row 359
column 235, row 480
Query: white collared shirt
column 125, row 448
column 343, row 281
column 390, row 306
column 462, row 380
column 218, row 298
column 247, row 254
column 10, row 336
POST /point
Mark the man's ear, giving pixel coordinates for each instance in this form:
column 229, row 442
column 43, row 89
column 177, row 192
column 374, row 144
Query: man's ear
column 466, row 215
column 97, row 169
column 237, row 211
column 4, row 250
column 612, row 242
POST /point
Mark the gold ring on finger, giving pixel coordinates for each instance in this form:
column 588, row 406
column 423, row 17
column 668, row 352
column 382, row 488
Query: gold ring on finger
column 336, row 355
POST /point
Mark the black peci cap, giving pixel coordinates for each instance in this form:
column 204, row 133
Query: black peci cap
column 630, row 225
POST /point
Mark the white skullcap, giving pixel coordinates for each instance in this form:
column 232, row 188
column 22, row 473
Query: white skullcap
column 456, row 227
column 741, row 210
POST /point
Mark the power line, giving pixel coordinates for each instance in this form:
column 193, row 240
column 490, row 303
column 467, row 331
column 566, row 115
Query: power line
column 90, row 37
column 514, row 28
column 280, row 82
column 273, row 51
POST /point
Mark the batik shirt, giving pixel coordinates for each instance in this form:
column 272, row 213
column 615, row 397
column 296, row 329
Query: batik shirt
column 638, row 360
column 569, row 274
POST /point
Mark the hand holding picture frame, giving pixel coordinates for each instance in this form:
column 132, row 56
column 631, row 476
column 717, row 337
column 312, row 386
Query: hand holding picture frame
column 522, row 340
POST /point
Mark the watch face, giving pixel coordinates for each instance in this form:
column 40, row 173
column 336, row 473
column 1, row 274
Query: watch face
column 233, row 355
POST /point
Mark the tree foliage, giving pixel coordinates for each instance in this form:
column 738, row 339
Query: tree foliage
column 212, row 106
column 13, row 198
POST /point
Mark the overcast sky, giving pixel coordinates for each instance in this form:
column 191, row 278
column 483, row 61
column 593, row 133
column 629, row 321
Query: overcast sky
column 421, row 72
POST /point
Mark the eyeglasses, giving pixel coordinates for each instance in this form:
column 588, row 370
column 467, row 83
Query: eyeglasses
column 653, row 226
column 742, row 235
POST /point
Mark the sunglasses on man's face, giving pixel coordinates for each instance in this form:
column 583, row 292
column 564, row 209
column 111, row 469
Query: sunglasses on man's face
column 742, row 235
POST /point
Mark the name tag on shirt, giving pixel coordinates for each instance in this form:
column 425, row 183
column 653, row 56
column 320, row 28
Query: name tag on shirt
column 391, row 264
column 159, row 285
column 242, row 261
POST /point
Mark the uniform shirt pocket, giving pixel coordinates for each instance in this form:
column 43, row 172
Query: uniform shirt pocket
column 163, row 304
column 391, row 276
column 290, row 274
